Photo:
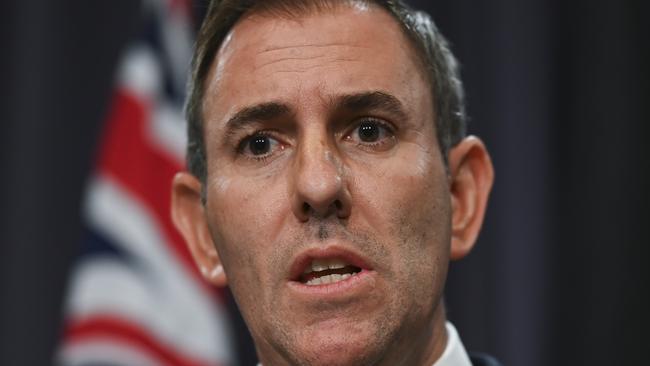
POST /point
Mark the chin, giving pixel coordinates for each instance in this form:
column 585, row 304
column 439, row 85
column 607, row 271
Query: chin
column 339, row 348
column 336, row 355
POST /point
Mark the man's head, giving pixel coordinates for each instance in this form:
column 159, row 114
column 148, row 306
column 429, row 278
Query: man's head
column 325, row 200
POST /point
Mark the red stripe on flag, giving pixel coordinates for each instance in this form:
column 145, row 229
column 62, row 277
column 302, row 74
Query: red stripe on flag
column 128, row 156
column 111, row 327
column 182, row 6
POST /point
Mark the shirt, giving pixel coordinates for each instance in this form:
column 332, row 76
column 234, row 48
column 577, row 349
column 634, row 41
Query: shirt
column 455, row 353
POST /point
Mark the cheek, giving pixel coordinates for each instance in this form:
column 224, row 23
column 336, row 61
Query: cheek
column 409, row 206
column 233, row 224
column 246, row 216
column 404, row 199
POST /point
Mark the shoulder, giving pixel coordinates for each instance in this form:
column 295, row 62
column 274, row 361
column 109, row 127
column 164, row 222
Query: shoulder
column 481, row 359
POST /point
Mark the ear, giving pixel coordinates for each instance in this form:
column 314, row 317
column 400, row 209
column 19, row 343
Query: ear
column 188, row 215
column 471, row 178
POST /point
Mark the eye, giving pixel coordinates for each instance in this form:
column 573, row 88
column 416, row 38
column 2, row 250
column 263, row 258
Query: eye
column 259, row 146
column 371, row 132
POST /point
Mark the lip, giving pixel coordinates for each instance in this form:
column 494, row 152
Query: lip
column 352, row 287
column 333, row 251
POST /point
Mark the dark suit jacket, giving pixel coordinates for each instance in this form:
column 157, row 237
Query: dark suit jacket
column 481, row 359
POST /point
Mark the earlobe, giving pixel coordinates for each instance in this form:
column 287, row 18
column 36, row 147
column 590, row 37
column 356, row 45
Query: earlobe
column 215, row 275
column 189, row 217
column 471, row 178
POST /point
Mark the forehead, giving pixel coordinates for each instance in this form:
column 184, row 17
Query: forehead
column 343, row 50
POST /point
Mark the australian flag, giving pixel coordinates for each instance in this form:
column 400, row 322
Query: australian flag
column 135, row 296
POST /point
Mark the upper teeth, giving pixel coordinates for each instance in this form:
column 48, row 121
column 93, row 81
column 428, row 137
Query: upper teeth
column 318, row 265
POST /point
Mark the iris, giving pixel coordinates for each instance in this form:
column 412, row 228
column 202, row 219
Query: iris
column 369, row 132
column 260, row 145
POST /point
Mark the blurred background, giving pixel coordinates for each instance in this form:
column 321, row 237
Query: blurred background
column 558, row 90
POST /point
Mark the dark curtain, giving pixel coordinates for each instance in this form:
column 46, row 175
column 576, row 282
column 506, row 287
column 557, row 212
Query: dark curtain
column 558, row 91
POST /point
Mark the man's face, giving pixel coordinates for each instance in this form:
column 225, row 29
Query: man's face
column 322, row 153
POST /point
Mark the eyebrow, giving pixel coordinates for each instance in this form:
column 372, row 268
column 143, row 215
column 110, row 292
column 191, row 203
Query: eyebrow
column 371, row 100
column 257, row 113
column 363, row 101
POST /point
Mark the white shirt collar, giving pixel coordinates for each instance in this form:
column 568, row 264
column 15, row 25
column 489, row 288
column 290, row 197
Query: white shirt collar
column 454, row 354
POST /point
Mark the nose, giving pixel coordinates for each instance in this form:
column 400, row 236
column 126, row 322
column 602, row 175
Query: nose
column 319, row 184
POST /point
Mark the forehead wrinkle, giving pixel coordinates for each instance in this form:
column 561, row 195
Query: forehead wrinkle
column 331, row 44
column 305, row 52
column 307, row 58
column 311, row 67
column 289, row 58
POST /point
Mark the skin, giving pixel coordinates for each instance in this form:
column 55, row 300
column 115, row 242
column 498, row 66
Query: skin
column 392, row 201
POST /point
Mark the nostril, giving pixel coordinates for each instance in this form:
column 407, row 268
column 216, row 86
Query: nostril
column 339, row 205
column 305, row 207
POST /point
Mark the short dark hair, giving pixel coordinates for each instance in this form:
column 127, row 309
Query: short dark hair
column 440, row 66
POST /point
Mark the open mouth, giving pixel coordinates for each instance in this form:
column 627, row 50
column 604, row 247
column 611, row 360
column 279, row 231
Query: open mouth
column 330, row 273
column 327, row 271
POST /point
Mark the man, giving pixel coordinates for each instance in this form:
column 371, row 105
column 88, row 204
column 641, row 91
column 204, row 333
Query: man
column 330, row 180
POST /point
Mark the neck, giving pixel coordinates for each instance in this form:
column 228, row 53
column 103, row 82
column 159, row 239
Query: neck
column 438, row 339
column 425, row 348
